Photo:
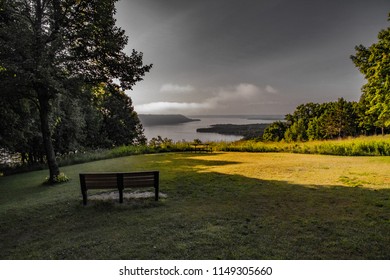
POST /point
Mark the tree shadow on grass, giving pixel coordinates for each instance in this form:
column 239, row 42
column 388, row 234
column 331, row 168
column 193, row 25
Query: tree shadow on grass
column 208, row 215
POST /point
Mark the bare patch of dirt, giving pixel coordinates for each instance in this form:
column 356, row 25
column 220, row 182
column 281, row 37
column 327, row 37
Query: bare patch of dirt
column 114, row 195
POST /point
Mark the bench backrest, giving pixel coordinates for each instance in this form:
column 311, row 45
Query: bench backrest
column 140, row 179
column 118, row 180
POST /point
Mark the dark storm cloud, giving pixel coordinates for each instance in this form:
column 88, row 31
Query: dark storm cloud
column 301, row 48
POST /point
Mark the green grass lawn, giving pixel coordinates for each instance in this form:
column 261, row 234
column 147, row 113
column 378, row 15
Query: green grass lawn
column 218, row 206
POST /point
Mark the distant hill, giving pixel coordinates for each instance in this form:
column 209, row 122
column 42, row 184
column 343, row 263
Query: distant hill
column 246, row 117
column 155, row 120
column 248, row 131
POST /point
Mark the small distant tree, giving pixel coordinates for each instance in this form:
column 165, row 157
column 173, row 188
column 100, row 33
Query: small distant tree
column 197, row 141
column 305, row 112
column 275, row 132
column 298, row 122
column 339, row 119
column 314, row 130
column 159, row 142
column 365, row 122
column 296, row 132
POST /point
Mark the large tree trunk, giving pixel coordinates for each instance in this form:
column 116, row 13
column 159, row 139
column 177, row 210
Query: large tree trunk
column 46, row 135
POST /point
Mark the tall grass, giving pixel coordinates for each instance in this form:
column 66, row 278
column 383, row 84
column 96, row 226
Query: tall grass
column 362, row 146
column 95, row 155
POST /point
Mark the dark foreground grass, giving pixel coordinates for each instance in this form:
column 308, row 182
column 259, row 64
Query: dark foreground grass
column 211, row 212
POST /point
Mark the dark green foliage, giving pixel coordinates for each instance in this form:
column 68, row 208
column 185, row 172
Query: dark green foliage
column 305, row 112
column 76, row 126
column 366, row 122
column 159, row 143
column 120, row 121
column 275, row 132
column 313, row 121
column 19, row 130
column 374, row 63
column 248, row 131
column 68, row 124
column 49, row 51
column 298, row 122
column 296, row 132
column 111, row 119
column 338, row 120
column 314, row 129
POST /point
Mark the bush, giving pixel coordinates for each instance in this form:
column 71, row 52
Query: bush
column 60, row 178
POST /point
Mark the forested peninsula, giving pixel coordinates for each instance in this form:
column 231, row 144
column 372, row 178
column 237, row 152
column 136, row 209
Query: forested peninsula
column 155, row 120
column 248, row 131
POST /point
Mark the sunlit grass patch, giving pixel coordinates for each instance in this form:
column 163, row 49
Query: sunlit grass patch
column 305, row 169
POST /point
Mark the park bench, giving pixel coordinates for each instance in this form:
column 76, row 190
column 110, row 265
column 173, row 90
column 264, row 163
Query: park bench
column 120, row 181
column 201, row 148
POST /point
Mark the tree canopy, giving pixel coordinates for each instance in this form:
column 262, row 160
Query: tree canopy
column 313, row 121
column 374, row 63
column 51, row 50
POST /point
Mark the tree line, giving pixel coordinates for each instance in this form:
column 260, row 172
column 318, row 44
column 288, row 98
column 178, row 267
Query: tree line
column 371, row 115
column 105, row 119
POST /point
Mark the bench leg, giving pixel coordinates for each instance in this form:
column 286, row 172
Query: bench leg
column 156, row 194
column 119, row 182
column 84, row 198
column 156, row 185
column 121, row 196
column 83, row 188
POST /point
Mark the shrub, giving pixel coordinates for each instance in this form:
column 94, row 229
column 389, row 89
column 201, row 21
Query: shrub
column 60, row 178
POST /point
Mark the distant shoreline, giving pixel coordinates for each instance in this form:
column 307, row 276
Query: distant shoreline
column 248, row 131
column 174, row 119
column 160, row 119
column 247, row 117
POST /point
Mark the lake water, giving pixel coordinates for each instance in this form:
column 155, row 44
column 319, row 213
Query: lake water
column 187, row 131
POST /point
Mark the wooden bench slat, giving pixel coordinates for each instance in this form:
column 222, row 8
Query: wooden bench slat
column 95, row 179
column 146, row 176
column 138, row 179
column 91, row 181
column 100, row 176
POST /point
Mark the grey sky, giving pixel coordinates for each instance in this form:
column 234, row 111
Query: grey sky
column 248, row 56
